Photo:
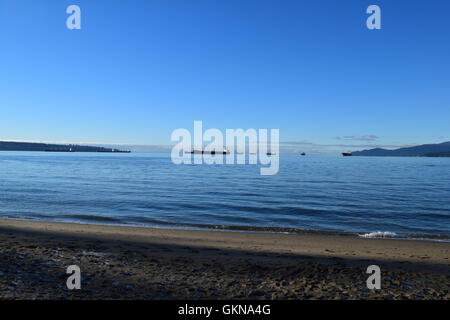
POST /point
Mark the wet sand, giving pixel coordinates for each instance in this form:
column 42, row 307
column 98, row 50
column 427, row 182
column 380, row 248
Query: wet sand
column 149, row 263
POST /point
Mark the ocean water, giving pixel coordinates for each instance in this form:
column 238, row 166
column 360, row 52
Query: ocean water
column 367, row 196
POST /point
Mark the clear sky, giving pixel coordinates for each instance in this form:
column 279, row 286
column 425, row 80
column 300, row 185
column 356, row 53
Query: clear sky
column 139, row 69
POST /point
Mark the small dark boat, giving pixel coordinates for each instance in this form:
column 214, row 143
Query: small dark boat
column 270, row 153
column 303, row 154
column 346, row 154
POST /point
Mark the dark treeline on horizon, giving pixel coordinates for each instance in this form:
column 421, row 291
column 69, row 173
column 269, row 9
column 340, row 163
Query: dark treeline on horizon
column 425, row 150
column 33, row 146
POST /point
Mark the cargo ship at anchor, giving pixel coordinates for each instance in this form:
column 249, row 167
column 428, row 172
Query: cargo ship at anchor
column 225, row 151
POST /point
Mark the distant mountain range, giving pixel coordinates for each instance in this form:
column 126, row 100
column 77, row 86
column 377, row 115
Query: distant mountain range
column 425, row 150
column 31, row 146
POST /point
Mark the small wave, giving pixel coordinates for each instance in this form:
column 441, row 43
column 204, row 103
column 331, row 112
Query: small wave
column 379, row 234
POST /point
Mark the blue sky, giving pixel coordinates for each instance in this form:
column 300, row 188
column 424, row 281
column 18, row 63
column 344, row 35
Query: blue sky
column 139, row 69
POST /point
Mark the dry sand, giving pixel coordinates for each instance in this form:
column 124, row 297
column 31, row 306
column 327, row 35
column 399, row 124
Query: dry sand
column 147, row 263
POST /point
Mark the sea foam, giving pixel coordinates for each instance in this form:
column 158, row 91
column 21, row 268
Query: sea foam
column 379, row 234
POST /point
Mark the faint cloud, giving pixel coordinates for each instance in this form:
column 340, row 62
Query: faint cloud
column 368, row 137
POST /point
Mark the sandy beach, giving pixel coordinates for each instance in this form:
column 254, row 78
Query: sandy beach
column 148, row 263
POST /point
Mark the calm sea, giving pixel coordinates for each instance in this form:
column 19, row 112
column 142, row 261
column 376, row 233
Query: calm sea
column 368, row 196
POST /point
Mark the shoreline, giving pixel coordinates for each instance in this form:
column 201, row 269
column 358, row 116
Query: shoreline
column 121, row 262
column 246, row 229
